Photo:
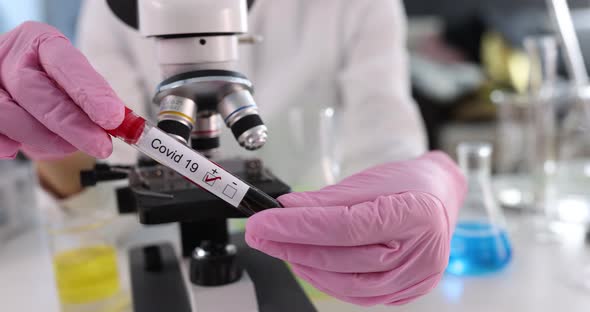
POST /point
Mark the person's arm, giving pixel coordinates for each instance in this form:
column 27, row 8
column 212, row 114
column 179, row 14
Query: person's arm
column 382, row 122
column 61, row 177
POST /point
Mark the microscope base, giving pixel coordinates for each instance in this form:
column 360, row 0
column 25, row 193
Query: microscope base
column 161, row 285
column 157, row 283
column 238, row 296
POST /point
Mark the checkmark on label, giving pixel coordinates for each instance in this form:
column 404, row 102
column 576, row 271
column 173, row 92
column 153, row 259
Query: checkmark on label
column 210, row 178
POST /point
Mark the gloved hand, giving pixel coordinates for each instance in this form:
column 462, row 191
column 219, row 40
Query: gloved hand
column 52, row 102
column 381, row 236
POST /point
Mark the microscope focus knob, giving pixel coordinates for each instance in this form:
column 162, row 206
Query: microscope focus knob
column 214, row 265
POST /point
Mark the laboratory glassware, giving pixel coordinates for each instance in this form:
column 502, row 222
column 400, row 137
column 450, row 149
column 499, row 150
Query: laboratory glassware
column 570, row 187
column 513, row 184
column 542, row 52
column 18, row 205
column 480, row 243
column 560, row 12
column 527, row 131
column 542, row 132
column 561, row 153
column 327, row 143
column 85, row 261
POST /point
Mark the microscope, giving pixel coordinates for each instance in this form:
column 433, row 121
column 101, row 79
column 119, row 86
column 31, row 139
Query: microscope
column 197, row 48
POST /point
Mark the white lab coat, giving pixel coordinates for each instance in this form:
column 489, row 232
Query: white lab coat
column 331, row 81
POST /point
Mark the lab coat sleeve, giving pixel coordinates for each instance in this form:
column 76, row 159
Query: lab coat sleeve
column 101, row 37
column 380, row 120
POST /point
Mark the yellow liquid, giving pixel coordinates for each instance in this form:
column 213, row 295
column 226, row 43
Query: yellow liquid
column 86, row 274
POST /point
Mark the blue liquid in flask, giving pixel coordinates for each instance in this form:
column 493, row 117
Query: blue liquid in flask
column 478, row 248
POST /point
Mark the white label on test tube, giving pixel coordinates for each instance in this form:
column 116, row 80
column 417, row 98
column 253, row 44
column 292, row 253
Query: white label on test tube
column 208, row 175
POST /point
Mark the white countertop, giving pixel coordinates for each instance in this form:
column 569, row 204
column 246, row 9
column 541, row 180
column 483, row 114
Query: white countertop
column 540, row 278
column 26, row 275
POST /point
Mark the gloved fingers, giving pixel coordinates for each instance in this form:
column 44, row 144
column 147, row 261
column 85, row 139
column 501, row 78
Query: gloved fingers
column 362, row 301
column 37, row 153
column 20, row 126
column 450, row 187
column 368, row 288
column 368, row 267
column 8, row 148
column 391, row 300
column 54, row 109
column 358, row 259
column 87, row 88
column 409, row 298
column 388, row 218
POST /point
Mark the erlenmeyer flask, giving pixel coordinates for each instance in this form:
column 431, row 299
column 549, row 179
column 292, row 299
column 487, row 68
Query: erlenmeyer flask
column 480, row 243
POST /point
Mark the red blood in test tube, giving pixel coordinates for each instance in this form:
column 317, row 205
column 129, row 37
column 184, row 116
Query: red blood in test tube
column 131, row 129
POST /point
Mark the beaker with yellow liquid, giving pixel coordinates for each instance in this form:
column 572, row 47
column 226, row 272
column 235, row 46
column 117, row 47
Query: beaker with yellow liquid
column 85, row 264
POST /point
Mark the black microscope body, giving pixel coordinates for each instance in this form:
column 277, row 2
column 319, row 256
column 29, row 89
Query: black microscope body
column 216, row 259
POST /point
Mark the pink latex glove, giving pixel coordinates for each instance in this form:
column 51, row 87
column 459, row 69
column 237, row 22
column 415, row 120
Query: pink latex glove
column 52, row 102
column 381, row 236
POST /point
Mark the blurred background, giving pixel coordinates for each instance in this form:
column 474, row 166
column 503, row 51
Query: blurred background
column 461, row 51
column 62, row 14
column 471, row 78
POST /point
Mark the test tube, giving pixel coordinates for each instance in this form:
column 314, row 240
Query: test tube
column 196, row 168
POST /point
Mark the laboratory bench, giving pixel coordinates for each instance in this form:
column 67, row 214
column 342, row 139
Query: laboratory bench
column 543, row 276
